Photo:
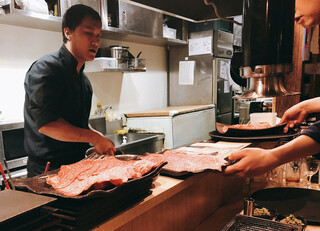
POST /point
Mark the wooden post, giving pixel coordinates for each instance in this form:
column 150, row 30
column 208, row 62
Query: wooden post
column 293, row 80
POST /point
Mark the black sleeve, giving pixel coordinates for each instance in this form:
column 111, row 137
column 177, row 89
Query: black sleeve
column 44, row 93
column 313, row 131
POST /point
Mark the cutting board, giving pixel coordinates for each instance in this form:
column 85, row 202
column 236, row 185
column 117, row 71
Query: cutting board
column 14, row 203
column 169, row 111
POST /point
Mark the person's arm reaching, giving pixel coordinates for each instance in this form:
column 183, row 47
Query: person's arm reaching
column 256, row 161
column 64, row 131
column 297, row 113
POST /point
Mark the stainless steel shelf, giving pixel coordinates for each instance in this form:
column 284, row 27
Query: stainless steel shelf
column 52, row 23
column 94, row 66
column 117, row 70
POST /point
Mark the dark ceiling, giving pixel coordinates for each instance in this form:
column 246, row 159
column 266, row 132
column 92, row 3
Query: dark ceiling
column 196, row 9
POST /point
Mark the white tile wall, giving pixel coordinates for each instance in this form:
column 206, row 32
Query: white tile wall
column 128, row 92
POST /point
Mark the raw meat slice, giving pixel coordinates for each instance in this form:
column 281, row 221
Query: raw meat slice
column 76, row 178
column 180, row 162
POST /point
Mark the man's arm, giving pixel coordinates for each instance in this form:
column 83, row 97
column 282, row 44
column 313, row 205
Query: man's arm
column 256, row 161
column 64, row 131
column 297, row 113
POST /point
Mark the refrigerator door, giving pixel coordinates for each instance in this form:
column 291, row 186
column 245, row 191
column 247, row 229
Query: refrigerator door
column 200, row 92
column 222, row 95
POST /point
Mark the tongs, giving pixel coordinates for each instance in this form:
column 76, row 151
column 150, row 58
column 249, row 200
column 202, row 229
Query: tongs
column 92, row 153
column 121, row 156
column 4, row 177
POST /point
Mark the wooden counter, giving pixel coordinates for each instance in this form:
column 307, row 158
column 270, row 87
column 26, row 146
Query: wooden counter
column 176, row 204
column 220, row 217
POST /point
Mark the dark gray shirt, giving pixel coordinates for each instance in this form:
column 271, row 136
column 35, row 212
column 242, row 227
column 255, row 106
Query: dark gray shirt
column 55, row 90
column 313, row 131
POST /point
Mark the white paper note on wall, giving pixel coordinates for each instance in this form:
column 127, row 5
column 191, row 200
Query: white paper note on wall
column 200, row 46
column 226, row 87
column 224, row 68
column 186, row 72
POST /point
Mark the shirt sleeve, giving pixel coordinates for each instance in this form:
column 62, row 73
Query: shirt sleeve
column 44, row 93
column 313, row 132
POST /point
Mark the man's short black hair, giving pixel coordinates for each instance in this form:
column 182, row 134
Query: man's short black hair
column 74, row 16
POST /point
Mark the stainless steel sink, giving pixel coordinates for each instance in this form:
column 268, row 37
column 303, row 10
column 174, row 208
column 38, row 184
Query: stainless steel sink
column 137, row 143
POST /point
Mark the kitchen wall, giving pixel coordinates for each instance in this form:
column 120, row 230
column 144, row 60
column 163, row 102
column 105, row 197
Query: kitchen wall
column 126, row 92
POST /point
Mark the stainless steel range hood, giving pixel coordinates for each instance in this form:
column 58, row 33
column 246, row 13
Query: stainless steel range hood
column 195, row 10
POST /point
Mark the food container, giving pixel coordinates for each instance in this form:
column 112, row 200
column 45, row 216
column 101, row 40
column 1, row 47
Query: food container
column 269, row 117
column 137, row 63
column 293, row 171
column 122, row 63
column 169, row 32
column 106, row 62
column 119, row 52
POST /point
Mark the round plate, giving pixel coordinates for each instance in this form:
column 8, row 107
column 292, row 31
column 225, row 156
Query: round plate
column 218, row 136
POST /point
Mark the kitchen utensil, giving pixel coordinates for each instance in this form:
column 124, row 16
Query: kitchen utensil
column 230, row 162
column 9, row 174
column 248, row 207
column 4, row 177
column 119, row 52
column 139, row 54
column 47, row 166
column 118, row 154
column 121, row 156
column 241, row 222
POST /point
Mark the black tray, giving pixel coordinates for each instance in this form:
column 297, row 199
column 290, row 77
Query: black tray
column 217, row 136
column 38, row 185
column 300, row 202
column 183, row 174
column 242, row 132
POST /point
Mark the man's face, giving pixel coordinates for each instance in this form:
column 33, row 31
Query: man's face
column 308, row 12
column 84, row 40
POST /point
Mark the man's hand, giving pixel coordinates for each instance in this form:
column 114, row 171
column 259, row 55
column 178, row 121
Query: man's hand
column 293, row 116
column 104, row 146
column 253, row 161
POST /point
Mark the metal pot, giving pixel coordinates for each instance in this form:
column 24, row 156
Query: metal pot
column 119, row 52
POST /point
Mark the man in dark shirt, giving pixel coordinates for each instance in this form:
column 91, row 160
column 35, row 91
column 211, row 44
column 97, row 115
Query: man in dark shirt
column 58, row 97
column 256, row 161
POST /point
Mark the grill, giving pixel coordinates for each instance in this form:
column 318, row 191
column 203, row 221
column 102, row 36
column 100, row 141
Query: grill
column 245, row 223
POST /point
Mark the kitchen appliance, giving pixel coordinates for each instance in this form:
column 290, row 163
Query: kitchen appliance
column 12, row 147
column 182, row 125
column 267, row 44
column 242, row 222
column 200, row 73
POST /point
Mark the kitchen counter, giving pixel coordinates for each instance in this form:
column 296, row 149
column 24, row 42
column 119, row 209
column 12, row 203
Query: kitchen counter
column 176, row 204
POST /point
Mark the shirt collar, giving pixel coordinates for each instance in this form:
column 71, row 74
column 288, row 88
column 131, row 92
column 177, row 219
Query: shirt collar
column 69, row 60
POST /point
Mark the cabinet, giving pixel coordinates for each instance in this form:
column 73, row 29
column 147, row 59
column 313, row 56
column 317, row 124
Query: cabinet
column 116, row 31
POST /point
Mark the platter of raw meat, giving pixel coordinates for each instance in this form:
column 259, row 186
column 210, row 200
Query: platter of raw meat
column 248, row 130
column 180, row 163
column 98, row 177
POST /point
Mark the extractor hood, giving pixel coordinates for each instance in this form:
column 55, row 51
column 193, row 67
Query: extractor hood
column 195, row 10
